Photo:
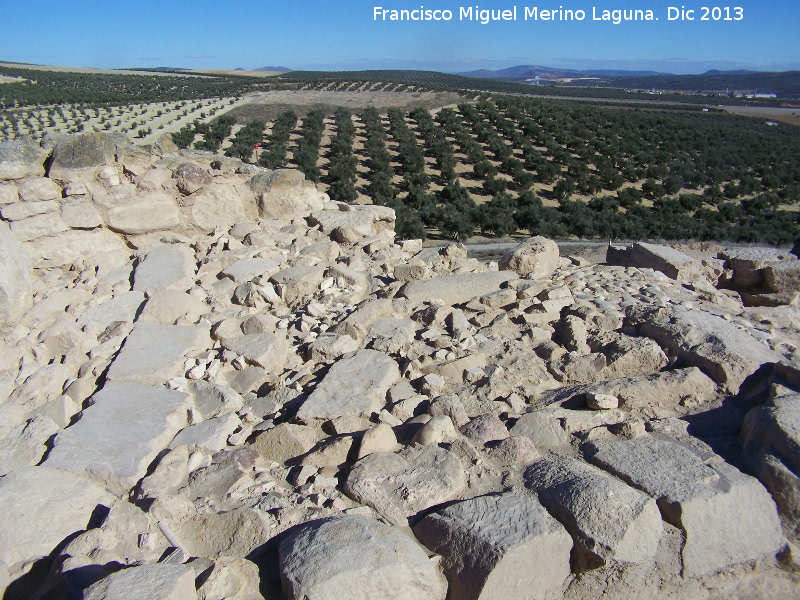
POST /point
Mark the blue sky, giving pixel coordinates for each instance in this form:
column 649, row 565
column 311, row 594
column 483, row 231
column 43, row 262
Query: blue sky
column 330, row 34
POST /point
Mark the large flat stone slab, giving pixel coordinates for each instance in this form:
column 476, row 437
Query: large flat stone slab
column 72, row 246
column 499, row 546
column 357, row 559
column 155, row 211
column 608, row 520
column 263, row 350
column 154, row 353
column 400, row 485
column 166, row 266
column 40, row 507
column 354, row 386
column 673, row 263
column 662, row 392
column 721, row 350
column 15, row 277
column 118, row 436
column 155, row 582
column 456, row 289
column 728, row 517
column 123, row 307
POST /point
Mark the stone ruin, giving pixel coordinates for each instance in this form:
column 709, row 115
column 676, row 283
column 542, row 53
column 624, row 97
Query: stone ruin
column 217, row 382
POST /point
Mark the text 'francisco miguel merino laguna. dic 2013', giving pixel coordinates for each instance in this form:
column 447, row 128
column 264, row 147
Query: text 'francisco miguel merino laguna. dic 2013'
column 534, row 13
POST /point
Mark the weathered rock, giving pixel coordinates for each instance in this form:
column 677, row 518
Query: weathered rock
column 25, row 445
column 436, row 431
column 772, row 451
column 235, row 533
column 211, row 435
column 349, row 225
column 357, row 324
column 154, row 353
column 514, row 451
column 535, row 258
column 748, row 264
column 631, row 356
column 285, row 442
column 504, row 546
column 662, row 392
column 231, row 579
column 450, row 406
column 295, row 283
column 391, row 335
column 673, row 263
column 165, row 266
column 597, row 401
column 23, row 210
column 155, row 582
column 410, row 272
column 284, row 194
column 354, row 386
column 725, row 353
column 543, row 428
column 456, row 289
column 728, row 517
column 15, row 277
column 784, row 277
column 38, row 226
column 248, row 269
column 219, row 205
column 189, row 178
column 485, row 428
column 608, row 520
column 20, row 158
column 73, row 246
column 120, row 434
column 155, row 211
column 400, row 485
column 40, row 507
column 265, row 350
column 80, row 153
column 358, row 559
column 332, row 346
column 170, row 306
column 81, row 215
column 380, row 438
column 123, row 307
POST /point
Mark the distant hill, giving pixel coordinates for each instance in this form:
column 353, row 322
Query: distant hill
column 279, row 69
column 524, row 72
column 786, row 83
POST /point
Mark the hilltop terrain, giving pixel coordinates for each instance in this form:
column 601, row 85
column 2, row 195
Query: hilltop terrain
column 218, row 381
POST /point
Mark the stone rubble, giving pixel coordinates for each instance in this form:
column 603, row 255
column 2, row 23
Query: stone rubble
column 220, row 383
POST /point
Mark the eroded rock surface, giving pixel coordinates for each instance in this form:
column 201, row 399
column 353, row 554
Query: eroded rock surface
column 202, row 364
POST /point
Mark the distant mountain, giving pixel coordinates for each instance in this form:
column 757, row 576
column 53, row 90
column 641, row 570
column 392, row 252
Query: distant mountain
column 520, row 72
column 524, row 72
column 613, row 73
column 281, row 69
column 736, row 72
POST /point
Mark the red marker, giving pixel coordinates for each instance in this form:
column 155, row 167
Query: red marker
column 255, row 146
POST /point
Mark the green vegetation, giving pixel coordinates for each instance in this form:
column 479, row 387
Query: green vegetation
column 41, row 87
column 246, row 138
column 275, row 156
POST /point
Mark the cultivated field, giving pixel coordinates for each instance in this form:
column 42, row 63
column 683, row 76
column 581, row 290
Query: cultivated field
column 457, row 163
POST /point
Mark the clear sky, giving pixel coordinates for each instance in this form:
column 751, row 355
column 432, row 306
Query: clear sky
column 327, row 34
